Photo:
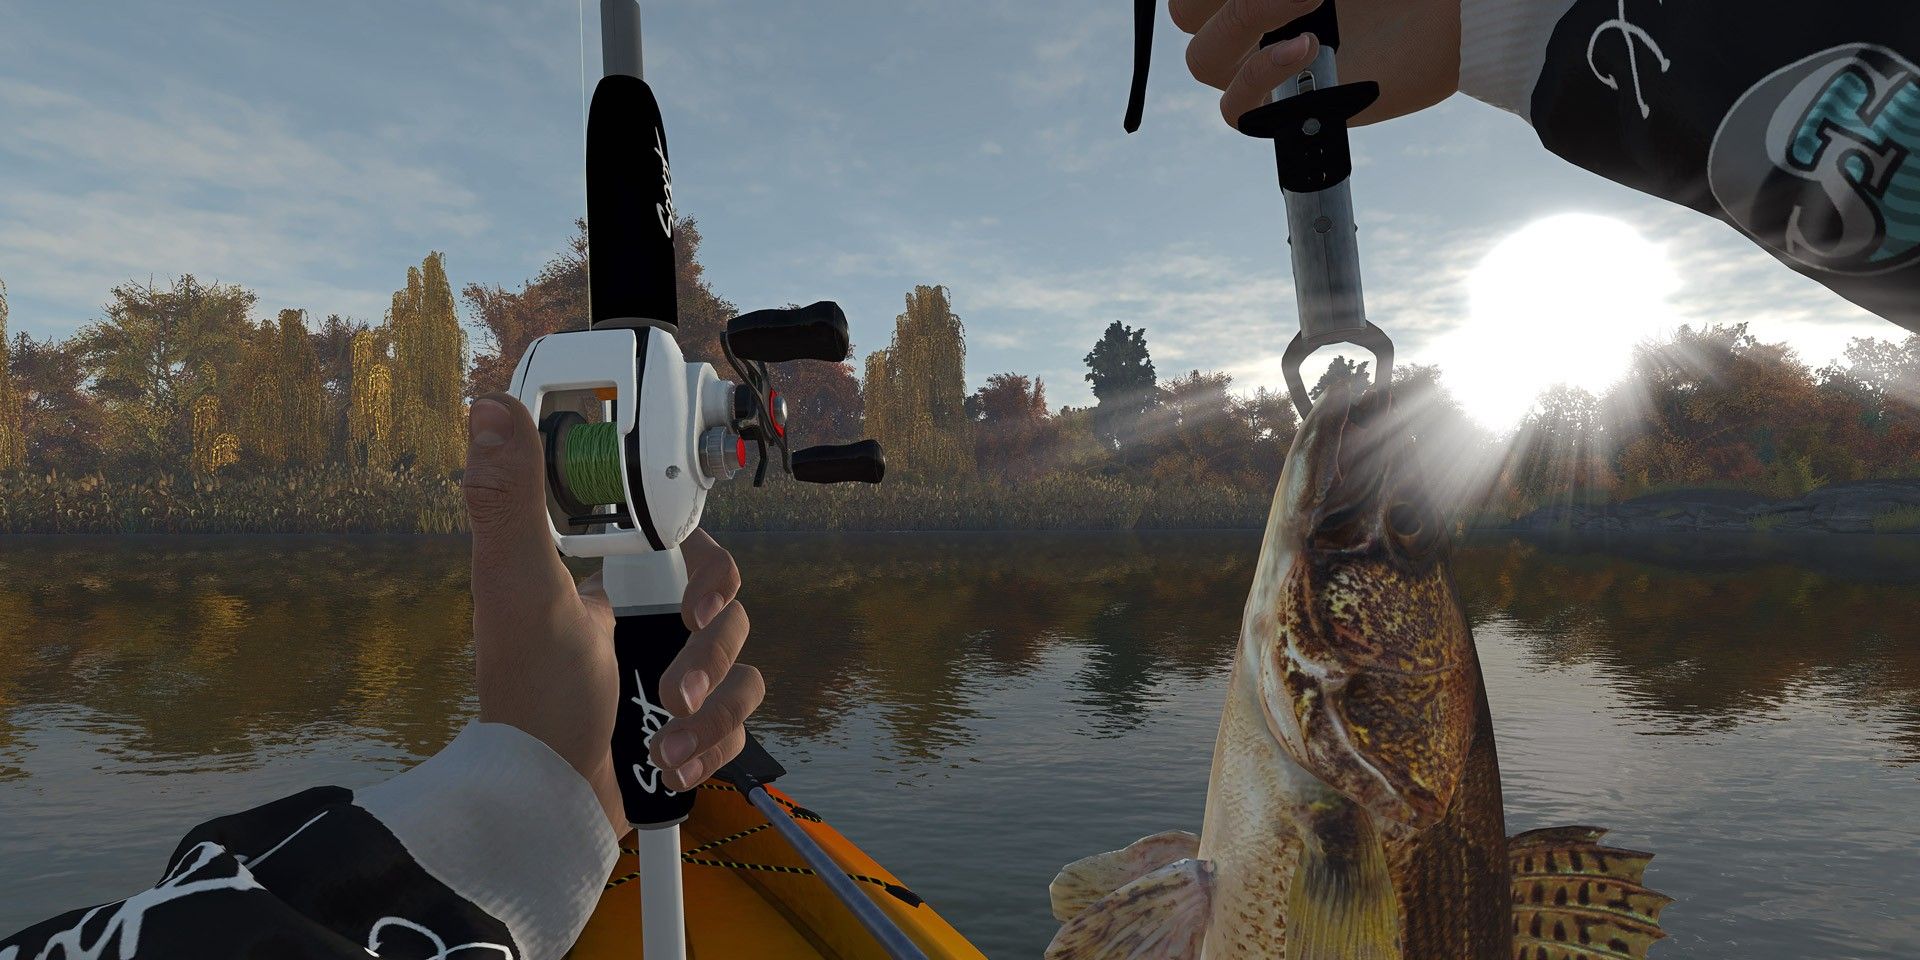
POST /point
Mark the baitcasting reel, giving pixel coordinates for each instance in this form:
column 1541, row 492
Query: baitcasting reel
column 626, row 483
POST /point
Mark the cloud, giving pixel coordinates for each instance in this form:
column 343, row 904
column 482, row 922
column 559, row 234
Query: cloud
column 207, row 183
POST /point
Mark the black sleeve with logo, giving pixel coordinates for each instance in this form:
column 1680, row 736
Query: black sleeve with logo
column 1799, row 124
column 309, row 877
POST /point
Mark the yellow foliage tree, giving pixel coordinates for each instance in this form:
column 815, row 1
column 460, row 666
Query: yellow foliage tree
column 213, row 448
column 916, row 390
column 370, row 410
column 284, row 402
column 13, row 441
column 429, row 370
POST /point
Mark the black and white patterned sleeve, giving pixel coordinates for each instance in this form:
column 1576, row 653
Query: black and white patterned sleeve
column 1797, row 124
column 493, row 849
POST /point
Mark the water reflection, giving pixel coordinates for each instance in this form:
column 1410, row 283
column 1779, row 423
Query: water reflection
column 1703, row 633
column 205, row 646
column 1034, row 697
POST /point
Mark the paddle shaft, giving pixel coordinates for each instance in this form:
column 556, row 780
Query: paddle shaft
column 892, row 939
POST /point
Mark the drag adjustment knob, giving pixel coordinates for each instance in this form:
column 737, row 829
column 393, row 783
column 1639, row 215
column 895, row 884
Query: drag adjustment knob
column 859, row 462
column 814, row 332
column 722, row 453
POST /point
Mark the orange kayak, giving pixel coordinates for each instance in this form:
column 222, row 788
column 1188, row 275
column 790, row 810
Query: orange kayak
column 749, row 894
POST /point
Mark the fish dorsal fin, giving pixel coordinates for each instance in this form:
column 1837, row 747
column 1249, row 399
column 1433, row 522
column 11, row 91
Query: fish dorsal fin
column 1083, row 881
column 1163, row 914
column 1574, row 899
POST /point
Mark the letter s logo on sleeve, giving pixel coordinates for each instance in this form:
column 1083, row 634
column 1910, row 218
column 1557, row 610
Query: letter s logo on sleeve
column 1820, row 161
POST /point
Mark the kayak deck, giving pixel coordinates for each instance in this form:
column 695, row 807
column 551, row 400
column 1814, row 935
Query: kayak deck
column 748, row 894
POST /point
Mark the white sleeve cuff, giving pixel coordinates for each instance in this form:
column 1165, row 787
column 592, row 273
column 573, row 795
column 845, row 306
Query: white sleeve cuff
column 507, row 824
column 1503, row 46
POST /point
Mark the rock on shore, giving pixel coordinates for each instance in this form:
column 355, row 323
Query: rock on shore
column 1839, row 508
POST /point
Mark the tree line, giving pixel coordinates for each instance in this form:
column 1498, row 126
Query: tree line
column 180, row 379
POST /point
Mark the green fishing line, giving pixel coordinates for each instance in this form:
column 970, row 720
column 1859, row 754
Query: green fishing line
column 590, row 462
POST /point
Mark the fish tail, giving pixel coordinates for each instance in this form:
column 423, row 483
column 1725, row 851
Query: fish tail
column 1574, row 899
column 1342, row 906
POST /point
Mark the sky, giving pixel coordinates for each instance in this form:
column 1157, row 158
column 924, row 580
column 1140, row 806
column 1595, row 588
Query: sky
column 827, row 150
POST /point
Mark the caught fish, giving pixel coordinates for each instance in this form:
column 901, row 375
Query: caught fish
column 1354, row 808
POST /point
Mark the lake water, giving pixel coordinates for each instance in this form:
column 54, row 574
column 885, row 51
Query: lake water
column 977, row 710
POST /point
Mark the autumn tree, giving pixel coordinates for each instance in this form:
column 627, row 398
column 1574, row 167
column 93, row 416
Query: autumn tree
column 280, row 417
column 13, row 443
column 1121, row 371
column 915, row 392
column 1273, row 424
column 429, row 371
column 1559, row 449
column 154, row 356
column 58, row 419
column 1198, row 432
column 333, row 352
column 1012, row 432
column 370, row 413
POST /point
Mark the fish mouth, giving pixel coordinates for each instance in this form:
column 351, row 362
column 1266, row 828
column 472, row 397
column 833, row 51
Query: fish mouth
column 1351, row 497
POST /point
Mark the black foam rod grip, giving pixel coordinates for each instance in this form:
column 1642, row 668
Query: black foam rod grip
column 817, row 331
column 1322, row 23
column 860, row 462
column 644, row 645
column 630, row 216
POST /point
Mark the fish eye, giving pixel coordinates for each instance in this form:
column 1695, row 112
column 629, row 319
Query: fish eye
column 1404, row 520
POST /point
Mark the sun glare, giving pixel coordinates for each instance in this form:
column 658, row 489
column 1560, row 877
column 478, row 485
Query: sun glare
column 1561, row 301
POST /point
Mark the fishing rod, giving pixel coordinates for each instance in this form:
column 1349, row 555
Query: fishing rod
column 1307, row 121
column 635, row 435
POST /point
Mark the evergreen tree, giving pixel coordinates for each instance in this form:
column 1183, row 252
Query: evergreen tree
column 1121, row 372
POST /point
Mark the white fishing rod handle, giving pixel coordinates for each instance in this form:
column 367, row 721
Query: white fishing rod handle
column 647, row 636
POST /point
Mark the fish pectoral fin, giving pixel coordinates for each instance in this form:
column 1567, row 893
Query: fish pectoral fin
column 1341, row 904
column 1573, row 897
column 1161, row 915
column 1083, row 881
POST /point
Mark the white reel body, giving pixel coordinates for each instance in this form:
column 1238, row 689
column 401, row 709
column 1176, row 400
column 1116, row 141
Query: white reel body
column 662, row 406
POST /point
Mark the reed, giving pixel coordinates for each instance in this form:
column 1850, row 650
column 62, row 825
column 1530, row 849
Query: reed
column 367, row 501
column 324, row 500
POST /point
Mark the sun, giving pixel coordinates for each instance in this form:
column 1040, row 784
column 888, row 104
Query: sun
column 1563, row 300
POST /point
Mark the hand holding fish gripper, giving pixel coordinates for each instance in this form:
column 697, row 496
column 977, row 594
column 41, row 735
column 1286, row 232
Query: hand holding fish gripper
column 631, row 486
column 1307, row 122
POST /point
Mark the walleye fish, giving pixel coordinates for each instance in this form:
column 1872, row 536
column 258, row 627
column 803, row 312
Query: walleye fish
column 1354, row 808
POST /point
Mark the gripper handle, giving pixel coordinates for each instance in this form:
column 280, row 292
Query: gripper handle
column 644, row 645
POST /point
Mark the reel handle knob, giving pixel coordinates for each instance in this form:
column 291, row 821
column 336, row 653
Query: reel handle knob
column 860, row 462
column 817, row 331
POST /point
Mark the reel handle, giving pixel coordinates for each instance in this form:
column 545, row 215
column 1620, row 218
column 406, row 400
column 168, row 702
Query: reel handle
column 860, row 462
column 644, row 645
column 817, row 331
